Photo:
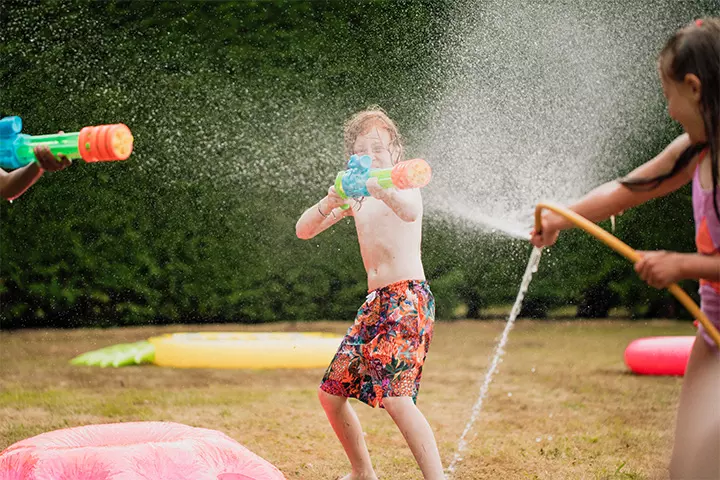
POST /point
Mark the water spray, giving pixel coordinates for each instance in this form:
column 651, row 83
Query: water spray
column 610, row 240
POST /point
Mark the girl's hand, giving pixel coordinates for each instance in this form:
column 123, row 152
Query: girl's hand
column 549, row 233
column 660, row 269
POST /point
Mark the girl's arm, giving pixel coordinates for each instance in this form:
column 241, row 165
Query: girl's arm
column 660, row 269
column 612, row 197
column 697, row 266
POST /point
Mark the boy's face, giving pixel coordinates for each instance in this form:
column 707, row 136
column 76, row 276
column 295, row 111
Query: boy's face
column 375, row 142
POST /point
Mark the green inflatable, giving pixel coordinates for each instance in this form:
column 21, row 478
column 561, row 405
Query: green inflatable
column 118, row 355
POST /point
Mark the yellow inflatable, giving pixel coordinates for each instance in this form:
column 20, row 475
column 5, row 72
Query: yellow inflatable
column 245, row 350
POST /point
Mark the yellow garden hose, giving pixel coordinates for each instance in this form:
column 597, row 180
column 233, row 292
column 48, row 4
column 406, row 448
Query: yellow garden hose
column 627, row 252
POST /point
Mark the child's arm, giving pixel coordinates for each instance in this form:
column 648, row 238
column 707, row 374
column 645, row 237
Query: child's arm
column 407, row 204
column 612, row 197
column 660, row 269
column 15, row 183
column 321, row 216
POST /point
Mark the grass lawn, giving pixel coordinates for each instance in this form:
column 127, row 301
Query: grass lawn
column 562, row 405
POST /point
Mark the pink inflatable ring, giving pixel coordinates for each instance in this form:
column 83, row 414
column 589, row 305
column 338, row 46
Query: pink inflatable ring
column 133, row 451
column 659, row 355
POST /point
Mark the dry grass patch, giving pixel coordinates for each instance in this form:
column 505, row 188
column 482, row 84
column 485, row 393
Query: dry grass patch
column 562, row 405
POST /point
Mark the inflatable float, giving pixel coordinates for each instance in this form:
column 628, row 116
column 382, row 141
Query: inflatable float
column 245, row 350
column 132, row 451
column 659, row 355
column 249, row 350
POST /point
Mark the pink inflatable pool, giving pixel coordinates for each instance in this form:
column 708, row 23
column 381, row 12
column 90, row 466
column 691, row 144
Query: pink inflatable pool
column 659, row 355
column 133, row 451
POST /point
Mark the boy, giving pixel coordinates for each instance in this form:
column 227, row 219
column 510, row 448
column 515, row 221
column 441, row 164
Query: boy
column 380, row 360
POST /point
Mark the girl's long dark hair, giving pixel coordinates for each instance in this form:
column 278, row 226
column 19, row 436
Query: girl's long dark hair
column 694, row 49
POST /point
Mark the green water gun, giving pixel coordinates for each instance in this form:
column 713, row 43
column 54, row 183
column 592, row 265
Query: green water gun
column 351, row 183
column 101, row 143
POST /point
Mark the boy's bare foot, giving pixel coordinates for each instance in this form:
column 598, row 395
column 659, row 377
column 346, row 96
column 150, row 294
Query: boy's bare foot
column 360, row 476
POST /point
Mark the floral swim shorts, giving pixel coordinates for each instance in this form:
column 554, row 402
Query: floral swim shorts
column 383, row 352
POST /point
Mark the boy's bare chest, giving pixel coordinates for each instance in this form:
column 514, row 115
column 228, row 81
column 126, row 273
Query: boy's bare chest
column 375, row 215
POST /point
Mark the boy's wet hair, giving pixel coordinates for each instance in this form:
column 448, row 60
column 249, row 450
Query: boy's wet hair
column 694, row 49
column 363, row 121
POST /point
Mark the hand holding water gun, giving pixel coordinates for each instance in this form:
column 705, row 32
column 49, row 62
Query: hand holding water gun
column 48, row 162
column 102, row 143
column 352, row 183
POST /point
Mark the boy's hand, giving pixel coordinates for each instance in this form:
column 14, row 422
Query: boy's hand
column 332, row 200
column 659, row 269
column 47, row 160
column 373, row 186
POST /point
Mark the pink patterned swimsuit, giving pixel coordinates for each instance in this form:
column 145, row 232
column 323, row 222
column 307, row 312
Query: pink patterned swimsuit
column 707, row 239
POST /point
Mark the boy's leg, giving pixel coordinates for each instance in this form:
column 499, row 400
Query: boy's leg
column 346, row 425
column 418, row 434
column 696, row 453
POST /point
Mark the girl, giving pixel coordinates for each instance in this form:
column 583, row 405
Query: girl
column 689, row 69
